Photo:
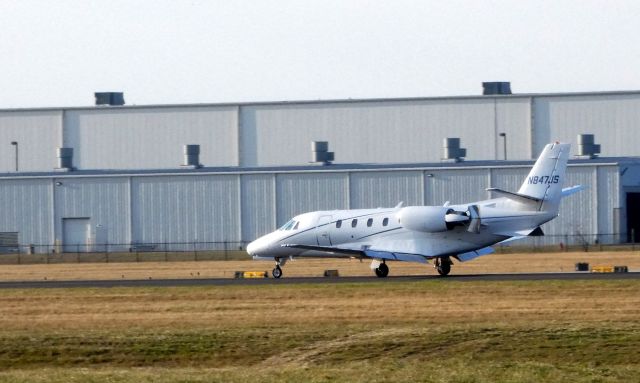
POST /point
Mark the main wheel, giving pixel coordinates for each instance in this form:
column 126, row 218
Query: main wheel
column 443, row 266
column 382, row 270
column 276, row 272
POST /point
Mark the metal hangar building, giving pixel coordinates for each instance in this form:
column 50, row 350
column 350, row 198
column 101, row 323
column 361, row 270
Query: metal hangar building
column 115, row 177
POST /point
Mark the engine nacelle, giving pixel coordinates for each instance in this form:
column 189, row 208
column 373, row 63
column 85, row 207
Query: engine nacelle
column 428, row 219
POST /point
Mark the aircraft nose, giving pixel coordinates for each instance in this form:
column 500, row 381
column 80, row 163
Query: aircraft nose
column 252, row 247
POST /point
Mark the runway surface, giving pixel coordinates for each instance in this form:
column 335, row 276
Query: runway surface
column 297, row 280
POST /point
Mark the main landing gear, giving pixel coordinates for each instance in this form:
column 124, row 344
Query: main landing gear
column 443, row 265
column 382, row 270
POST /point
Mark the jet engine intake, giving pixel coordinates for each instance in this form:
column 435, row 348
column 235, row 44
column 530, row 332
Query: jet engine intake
column 429, row 219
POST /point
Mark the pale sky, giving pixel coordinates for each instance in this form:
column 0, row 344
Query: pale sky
column 57, row 53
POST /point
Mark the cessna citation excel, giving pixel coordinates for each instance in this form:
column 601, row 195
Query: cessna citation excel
column 422, row 233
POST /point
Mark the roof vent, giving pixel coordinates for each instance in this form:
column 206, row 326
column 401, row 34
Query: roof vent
column 496, row 87
column 191, row 157
column 587, row 147
column 65, row 159
column 109, row 98
column 320, row 152
column 451, row 150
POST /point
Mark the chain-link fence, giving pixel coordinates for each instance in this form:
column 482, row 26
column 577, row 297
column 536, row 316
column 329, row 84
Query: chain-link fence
column 221, row 251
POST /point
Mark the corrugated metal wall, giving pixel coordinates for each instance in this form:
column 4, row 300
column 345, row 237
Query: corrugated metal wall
column 217, row 208
column 369, row 190
column 121, row 138
column 25, row 207
column 300, row 193
column 258, row 205
column 186, row 210
column 105, row 201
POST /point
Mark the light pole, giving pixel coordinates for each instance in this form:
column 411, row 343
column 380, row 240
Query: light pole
column 15, row 143
column 504, row 135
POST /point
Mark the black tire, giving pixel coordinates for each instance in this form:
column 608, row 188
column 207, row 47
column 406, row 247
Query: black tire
column 276, row 272
column 382, row 270
column 444, row 266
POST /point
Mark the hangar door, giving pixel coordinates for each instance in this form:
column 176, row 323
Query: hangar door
column 76, row 232
column 633, row 218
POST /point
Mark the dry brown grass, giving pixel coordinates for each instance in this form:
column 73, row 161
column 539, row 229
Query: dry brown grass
column 377, row 304
column 494, row 263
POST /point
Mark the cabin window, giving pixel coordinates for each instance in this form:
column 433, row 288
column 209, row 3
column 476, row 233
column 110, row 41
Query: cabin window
column 385, row 222
column 354, row 223
column 369, row 222
column 338, row 223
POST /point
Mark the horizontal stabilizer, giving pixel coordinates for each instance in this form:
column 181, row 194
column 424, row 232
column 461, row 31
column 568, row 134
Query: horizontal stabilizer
column 464, row 257
column 514, row 196
column 570, row 190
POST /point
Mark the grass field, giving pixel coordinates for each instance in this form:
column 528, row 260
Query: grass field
column 432, row 331
column 494, row 263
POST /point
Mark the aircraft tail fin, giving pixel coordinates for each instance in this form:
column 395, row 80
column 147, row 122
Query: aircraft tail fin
column 544, row 182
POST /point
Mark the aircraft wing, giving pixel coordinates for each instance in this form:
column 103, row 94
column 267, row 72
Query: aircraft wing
column 365, row 253
column 514, row 196
column 570, row 190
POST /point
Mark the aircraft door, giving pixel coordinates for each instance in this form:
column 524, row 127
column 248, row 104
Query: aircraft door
column 322, row 230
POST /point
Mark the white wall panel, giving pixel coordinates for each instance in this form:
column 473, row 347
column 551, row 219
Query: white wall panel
column 105, row 201
column 385, row 131
column 301, row 193
column 123, row 138
column 370, row 190
column 38, row 134
column 614, row 119
column 186, row 209
column 457, row 187
column 25, row 206
column 258, row 205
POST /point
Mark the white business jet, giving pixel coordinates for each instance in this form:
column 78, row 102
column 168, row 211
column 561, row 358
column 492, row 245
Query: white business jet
column 422, row 233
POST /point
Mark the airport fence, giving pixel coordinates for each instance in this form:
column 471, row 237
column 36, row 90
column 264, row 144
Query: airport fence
column 225, row 251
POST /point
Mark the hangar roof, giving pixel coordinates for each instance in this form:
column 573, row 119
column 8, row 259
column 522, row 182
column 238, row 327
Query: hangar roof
column 598, row 161
column 336, row 101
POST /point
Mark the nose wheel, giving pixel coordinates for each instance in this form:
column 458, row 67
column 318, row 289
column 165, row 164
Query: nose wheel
column 276, row 272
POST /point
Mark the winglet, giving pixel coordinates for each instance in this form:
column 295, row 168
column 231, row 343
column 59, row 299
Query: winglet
column 399, row 205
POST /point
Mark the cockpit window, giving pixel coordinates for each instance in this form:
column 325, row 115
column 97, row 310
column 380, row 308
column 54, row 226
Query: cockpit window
column 290, row 225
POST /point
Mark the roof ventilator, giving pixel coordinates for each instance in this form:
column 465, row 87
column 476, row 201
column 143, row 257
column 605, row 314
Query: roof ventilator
column 65, row 159
column 496, row 88
column 451, row 150
column 109, row 98
column 320, row 152
column 587, row 147
column 191, row 157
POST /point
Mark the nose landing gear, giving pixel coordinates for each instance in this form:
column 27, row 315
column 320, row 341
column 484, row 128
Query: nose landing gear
column 277, row 271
